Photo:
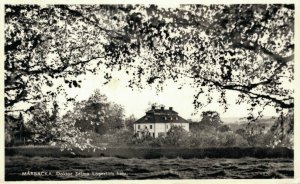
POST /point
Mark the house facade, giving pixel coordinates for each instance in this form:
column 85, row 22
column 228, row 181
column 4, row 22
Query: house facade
column 158, row 121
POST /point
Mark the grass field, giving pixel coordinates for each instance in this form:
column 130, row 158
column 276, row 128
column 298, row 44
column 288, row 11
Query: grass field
column 20, row 168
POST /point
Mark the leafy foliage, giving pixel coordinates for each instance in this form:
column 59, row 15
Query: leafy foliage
column 245, row 48
column 90, row 114
column 115, row 117
column 280, row 134
column 176, row 136
column 43, row 123
column 98, row 115
column 129, row 122
column 210, row 121
column 47, row 128
column 15, row 131
column 224, row 128
column 211, row 118
column 283, row 130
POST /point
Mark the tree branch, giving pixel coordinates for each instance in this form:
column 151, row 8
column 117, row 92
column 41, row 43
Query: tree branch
column 247, row 90
column 96, row 24
column 63, row 68
column 256, row 47
column 255, row 95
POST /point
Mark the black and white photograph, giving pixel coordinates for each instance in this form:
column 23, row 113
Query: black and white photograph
column 148, row 91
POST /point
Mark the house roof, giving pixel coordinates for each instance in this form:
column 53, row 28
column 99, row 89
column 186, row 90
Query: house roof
column 162, row 111
column 161, row 116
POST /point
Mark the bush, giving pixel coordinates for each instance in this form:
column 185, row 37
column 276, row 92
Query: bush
column 206, row 139
column 226, row 139
column 145, row 140
column 158, row 142
column 223, row 128
column 283, row 130
column 240, row 141
column 118, row 138
column 176, row 136
column 203, row 139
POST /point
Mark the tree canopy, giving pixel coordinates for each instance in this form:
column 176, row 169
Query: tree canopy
column 247, row 48
column 244, row 48
column 97, row 114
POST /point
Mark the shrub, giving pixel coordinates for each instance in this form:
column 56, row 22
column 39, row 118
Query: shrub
column 176, row 136
column 158, row 142
column 226, row 139
column 240, row 141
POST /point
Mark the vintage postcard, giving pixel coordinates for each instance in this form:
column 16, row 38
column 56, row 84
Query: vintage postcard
column 180, row 92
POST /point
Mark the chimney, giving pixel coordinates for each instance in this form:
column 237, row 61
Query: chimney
column 162, row 108
column 153, row 107
column 170, row 108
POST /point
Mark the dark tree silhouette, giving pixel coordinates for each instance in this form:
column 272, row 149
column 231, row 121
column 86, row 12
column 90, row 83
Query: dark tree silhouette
column 129, row 122
column 244, row 48
column 211, row 119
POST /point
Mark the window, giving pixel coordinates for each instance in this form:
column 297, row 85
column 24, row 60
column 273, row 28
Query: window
column 153, row 134
column 139, row 126
column 167, row 126
column 150, row 126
